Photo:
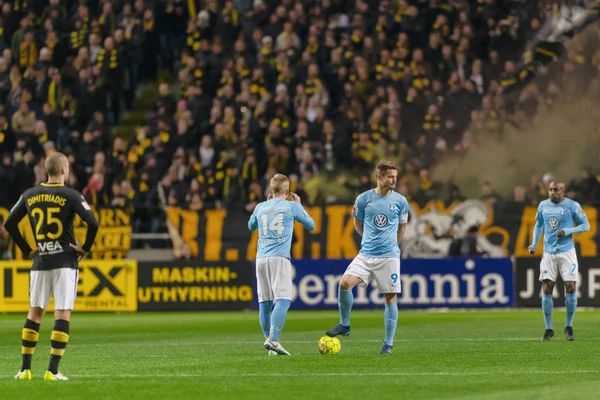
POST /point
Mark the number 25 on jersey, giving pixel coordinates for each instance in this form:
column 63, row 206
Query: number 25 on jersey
column 43, row 222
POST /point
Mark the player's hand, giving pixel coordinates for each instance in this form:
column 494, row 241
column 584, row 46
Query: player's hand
column 295, row 197
column 33, row 253
column 80, row 252
column 560, row 233
column 531, row 250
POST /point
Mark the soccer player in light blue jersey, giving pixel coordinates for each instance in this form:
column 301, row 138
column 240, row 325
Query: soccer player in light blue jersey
column 380, row 217
column 555, row 218
column 274, row 220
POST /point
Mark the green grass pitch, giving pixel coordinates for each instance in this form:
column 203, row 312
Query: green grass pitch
column 470, row 355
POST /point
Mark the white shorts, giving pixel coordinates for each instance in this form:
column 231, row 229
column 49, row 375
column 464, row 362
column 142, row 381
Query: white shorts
column 274, row 279
column 565, row 263
column 61, row 283
column 385, row 272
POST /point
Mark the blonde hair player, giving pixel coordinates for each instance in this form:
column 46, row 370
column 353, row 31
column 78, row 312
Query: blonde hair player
column 380, row 217
column 55, row 271
column 274, row 220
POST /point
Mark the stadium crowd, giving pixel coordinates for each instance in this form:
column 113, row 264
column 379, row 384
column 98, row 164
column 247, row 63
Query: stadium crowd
column 315, row 90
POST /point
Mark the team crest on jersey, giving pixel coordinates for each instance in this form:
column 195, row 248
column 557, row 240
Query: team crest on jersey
column 380, row 220
column 553, row 223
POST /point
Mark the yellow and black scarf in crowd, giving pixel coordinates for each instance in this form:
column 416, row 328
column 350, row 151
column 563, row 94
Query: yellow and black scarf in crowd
column 194, row 169
column 227, row 182
column 42, row 136
column 426, row 184
column 444, row 29
column 3, row 130
column 193, row 41
column 77, row 39
column 165, row 135
column 220, row 170
column 149, row 24
column 198, row 76
column 143, row 143
column 27, row 54
column 377, row 131
column 142, row 187
column 96, row 196
column 250, row 172
column 210, row 185
column 21, row 5
column 357, row 41
column 282, row 123
column 224, row 82
column 96, row 28
column 364, row 152
column 54, row 95
column 109, row 21
column 85, row 26
column 70, row 105
column 258, row 86
column 431, row 122
column 113, row 61
column 233, row 14
column 192, row 9
column 183, row 88
column 313, row 48
column 51, row 44
column 310, row 85
column 242, row 73
column 268, row 54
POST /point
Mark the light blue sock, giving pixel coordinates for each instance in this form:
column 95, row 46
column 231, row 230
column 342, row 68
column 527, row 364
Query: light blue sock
column 278, row 318
column 571, row 304
column 345, row 301
column 390, row 316
column 547, row 306
column 264, row 315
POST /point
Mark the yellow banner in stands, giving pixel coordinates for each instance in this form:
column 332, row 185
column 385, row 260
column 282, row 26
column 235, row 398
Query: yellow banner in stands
column 102, row 286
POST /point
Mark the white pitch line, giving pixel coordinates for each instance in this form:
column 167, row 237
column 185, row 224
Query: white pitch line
column 296, row 375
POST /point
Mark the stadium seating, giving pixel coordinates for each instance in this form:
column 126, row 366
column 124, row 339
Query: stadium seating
column 319, row 91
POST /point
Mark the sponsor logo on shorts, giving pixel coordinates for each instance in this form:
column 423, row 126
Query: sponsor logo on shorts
column 553, row 223
column 380, row 220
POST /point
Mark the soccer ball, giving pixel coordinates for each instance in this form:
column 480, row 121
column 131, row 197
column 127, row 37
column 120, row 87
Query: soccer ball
column 329, row 345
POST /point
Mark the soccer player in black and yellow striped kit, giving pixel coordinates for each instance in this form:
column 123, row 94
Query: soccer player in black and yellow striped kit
column 51, row 208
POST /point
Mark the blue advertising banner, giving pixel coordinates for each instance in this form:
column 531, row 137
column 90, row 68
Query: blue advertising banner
column 426, row 283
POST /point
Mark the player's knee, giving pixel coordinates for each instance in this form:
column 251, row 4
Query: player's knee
column 345, row 284
column 547, row 290
column 570, row 287
column 62, row 315
column 547, row 287
column 36, row 314
column 390, row 298
column 348, row 282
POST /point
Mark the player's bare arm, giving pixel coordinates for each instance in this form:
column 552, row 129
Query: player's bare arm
column 358, row 226
column 401, row 232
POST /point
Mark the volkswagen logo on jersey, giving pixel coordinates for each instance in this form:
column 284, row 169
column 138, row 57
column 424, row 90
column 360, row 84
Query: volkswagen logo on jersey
column 553, row 223
column 380, row 220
